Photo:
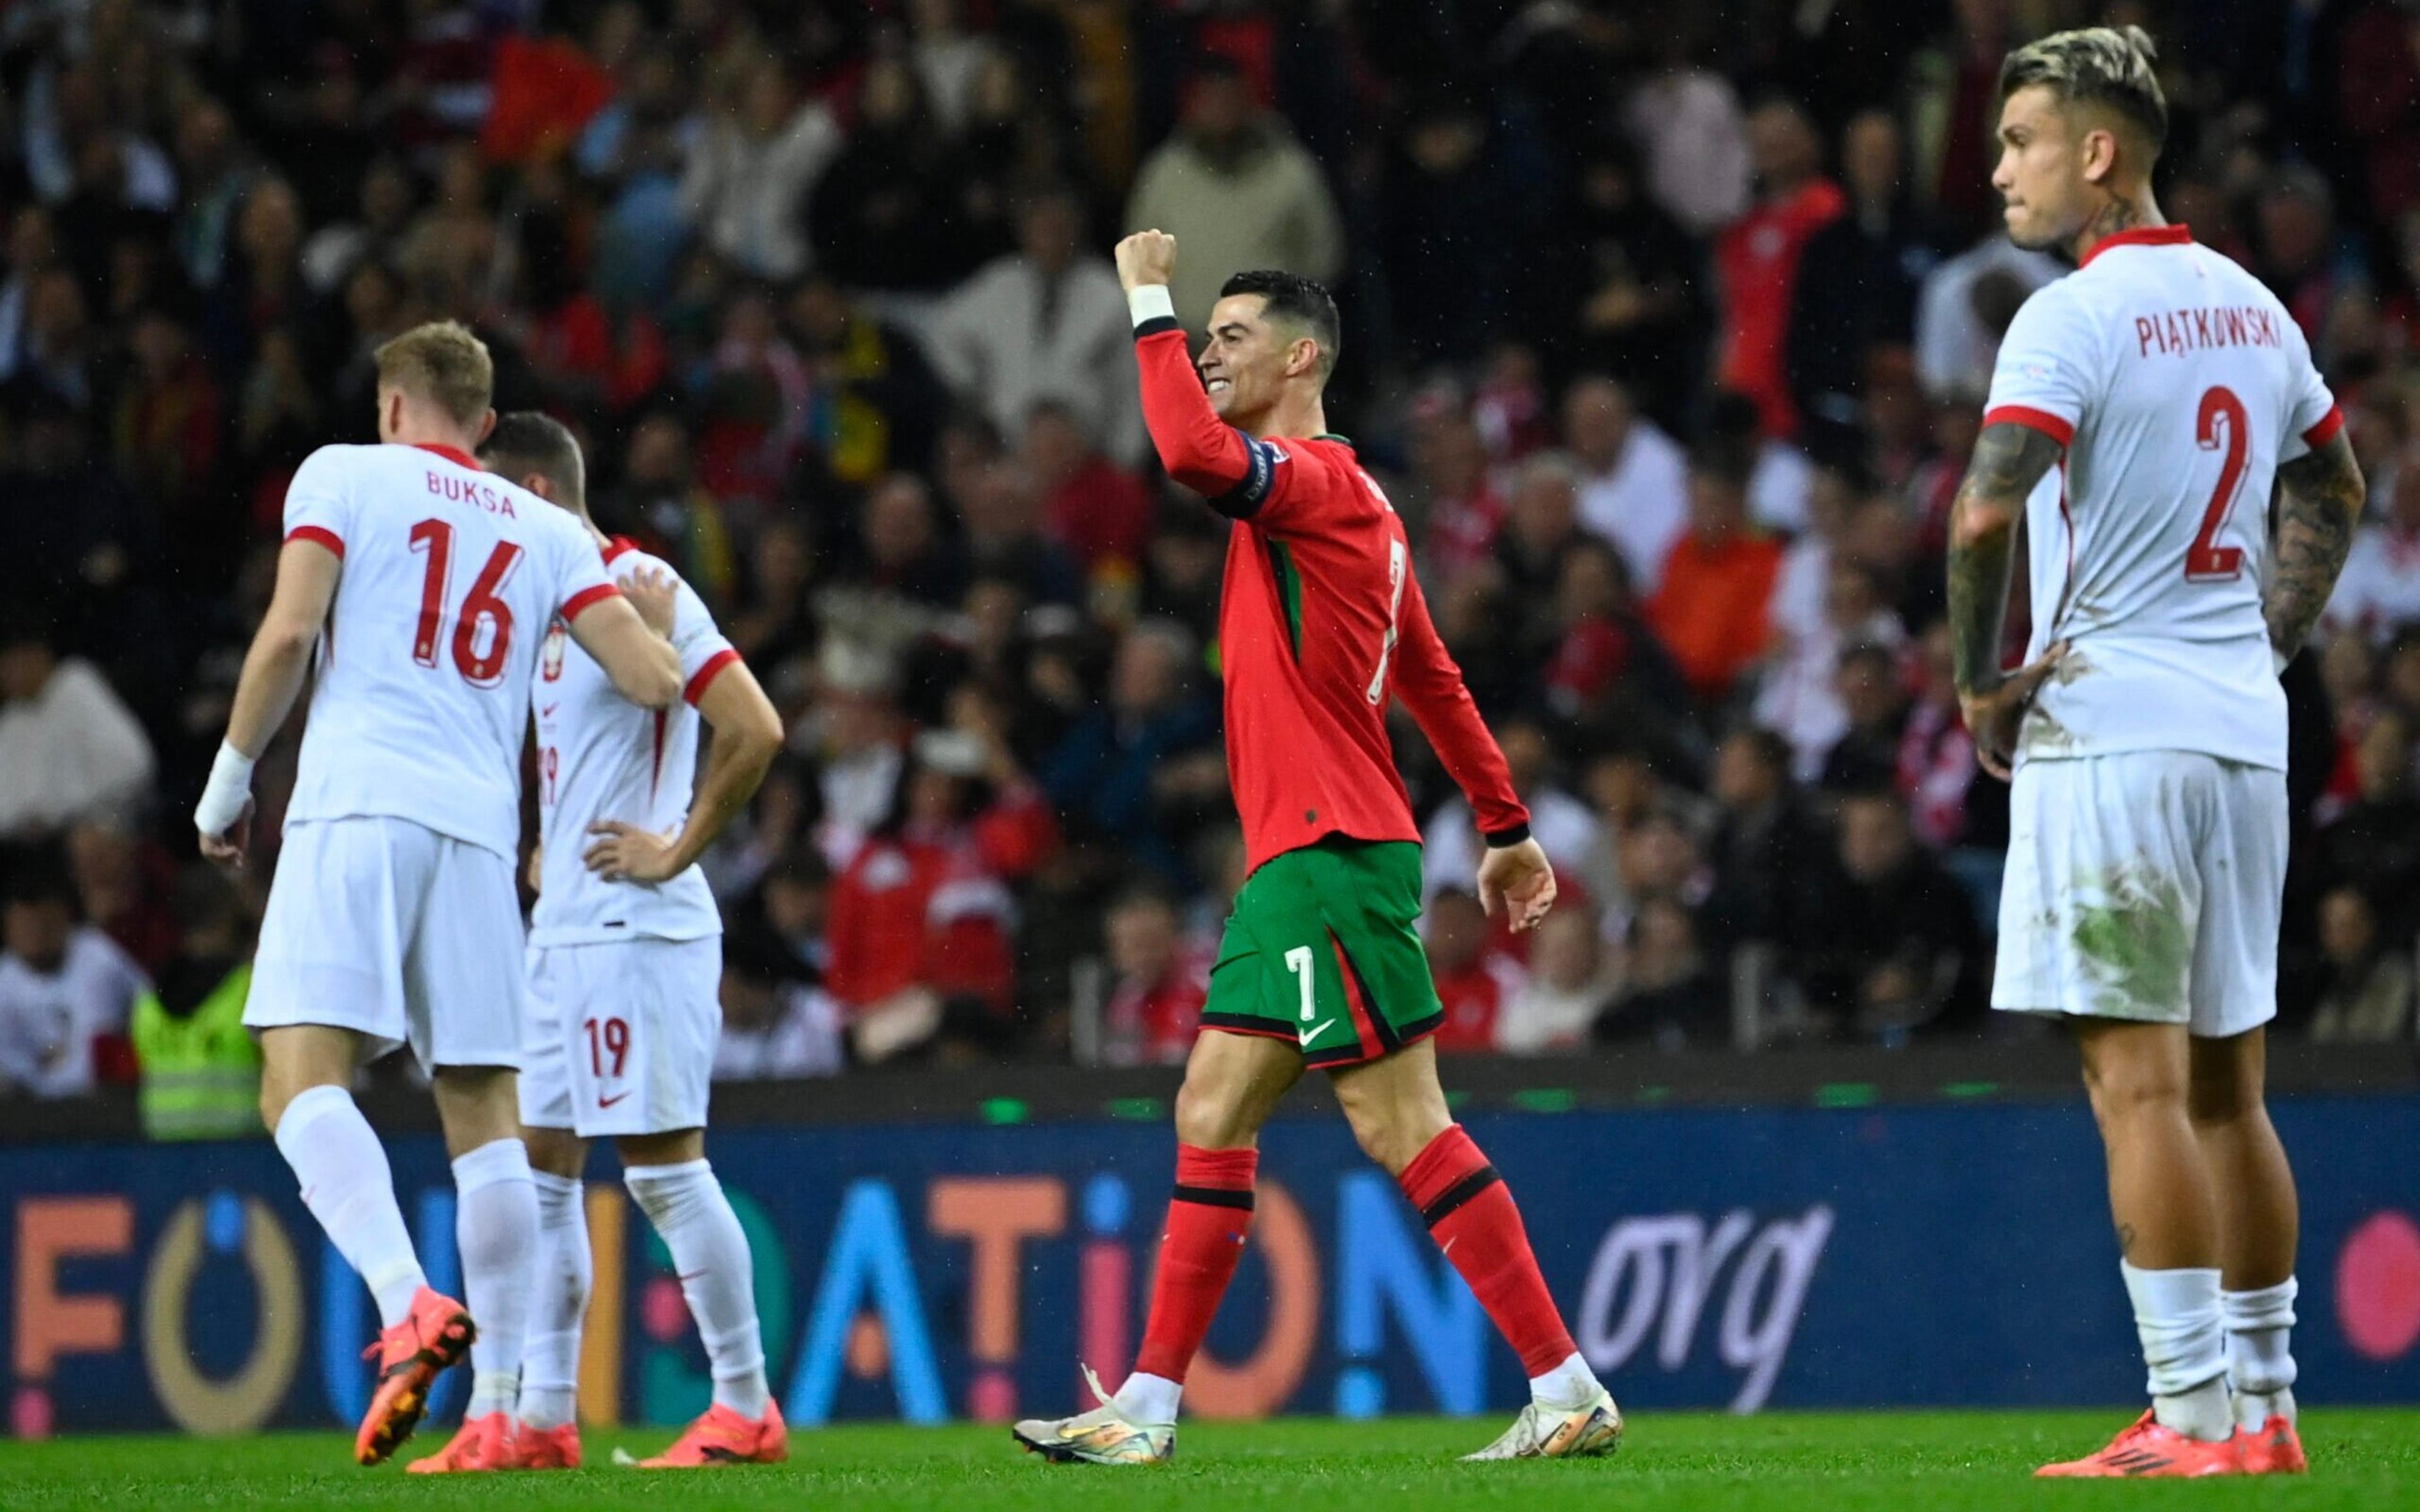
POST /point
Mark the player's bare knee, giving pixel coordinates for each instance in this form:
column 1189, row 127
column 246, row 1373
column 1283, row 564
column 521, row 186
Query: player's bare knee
column 1209, row 1116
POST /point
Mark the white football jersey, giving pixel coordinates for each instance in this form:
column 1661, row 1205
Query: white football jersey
column 2177, row 383
column 450, row 576
column 600, row 757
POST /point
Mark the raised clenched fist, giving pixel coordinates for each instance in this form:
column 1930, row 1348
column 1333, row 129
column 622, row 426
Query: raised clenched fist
column 1145, row 259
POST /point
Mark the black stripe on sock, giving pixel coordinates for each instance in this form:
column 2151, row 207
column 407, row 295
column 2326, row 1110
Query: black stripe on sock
column 1458, row 1194
column 1214, row 1197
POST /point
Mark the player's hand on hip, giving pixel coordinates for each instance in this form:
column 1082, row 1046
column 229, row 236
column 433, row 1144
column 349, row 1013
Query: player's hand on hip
column 1993, row 717
column 652, row 593
column 1146, row 257
column 626, row 853
column 1518, row 880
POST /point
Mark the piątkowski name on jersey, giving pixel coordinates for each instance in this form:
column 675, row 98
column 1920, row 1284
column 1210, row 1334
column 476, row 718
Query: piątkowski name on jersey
column 2181, row 332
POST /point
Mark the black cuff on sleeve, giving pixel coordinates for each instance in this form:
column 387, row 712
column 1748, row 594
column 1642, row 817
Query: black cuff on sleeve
column 1503, row 838
column 1156, row 324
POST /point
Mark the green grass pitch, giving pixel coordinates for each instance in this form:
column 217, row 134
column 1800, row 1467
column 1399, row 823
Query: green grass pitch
column 1789, row 1462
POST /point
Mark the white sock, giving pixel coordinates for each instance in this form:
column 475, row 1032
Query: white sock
column 2177, row 1315
column 349, row 1188
column 550, row 1358
column 1149, row 1399
column 495, row 1225
column 1566, row 1386
column 710, row 1256
column 2259, row 1353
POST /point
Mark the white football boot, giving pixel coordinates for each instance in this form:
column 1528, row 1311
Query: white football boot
column 1103, row 1436
column 1542, row 1433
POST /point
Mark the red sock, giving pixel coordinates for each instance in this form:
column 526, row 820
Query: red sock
column 1207, row 1220
column 1471, row 1215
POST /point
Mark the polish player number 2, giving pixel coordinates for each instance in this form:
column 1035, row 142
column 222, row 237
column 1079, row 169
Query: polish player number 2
column 608, row 1036
column 481, row 666
column 2206, row 561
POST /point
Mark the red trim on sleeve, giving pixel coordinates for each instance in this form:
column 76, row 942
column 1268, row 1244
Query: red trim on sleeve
column 2032, row 419
column 2325, row 431
column 708, row 674
column 620, row 546
column 586, row 598
column 317, row 535
column 2149, row 236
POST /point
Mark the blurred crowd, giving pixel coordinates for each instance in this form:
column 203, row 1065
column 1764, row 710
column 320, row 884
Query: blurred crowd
column 1667, row 328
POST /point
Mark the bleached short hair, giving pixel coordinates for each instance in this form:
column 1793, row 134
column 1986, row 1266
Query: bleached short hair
column 2109, row 66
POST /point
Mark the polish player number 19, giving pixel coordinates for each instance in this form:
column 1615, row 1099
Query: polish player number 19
column 607, row 1037
column 481, row 667
column 2206, row 560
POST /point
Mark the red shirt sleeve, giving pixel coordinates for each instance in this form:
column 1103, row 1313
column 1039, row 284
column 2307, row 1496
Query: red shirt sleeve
column 1198, row 449
column 1430, row 685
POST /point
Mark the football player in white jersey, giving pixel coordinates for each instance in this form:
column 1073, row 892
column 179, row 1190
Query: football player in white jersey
column 2141, row 408
column 424, row 586
column 625, row 973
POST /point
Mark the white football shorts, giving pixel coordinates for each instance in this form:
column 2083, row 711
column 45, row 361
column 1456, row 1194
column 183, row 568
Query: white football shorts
column 621, row 1036
column 386, row 927
column 2144, row 886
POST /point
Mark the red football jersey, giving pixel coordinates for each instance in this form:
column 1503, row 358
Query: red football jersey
column 1321, row 624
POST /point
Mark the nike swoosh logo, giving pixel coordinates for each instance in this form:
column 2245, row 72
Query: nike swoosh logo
column 1448, row 1246
column 547, row 713
column 609, row 1101
column 1306, row 1035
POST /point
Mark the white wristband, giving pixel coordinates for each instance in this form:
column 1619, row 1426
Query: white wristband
column 1149, row 302
column 226, row 793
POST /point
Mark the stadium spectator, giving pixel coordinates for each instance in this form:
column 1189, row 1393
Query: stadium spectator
column 69, row 747
column 1573, row 979
column 1759, row 255
column 881, row 211
column 1857, row 281
column 2367, row 996
column 1158, row 985
column 66, row 988
column 1236, row 191
column 1766, row 848
column 1636, row 282
column 1474, row 979
column 1130, row 773
column 1669, row 996
column 774, row 1025
column 1044, row 323
column 748, row 169
column 1633, row 485
column 1891, row 946
column 2379, row 590
column 200, row 1068
column 1712, row 603
column 1097, row 509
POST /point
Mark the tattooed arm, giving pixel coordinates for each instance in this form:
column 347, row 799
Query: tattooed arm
column 2319, row 498
column 2009, row 458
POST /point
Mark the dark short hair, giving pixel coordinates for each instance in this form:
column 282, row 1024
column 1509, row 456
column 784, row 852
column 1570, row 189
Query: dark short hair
column 525, row 441
column 2108, row 66
column 1292, row 297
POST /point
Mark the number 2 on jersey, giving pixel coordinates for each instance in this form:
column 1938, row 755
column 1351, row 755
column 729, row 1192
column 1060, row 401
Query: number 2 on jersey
column 479, row 668
column 2206, row 561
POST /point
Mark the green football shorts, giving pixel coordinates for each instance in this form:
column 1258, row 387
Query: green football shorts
column 1321, row 950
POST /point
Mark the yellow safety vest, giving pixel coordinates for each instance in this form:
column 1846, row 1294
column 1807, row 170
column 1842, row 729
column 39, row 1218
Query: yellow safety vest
column 201, row 1073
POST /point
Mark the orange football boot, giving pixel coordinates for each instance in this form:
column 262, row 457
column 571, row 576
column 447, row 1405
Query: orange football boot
column 490, row 1442
column 2152, row 1448
column 554, row 1448
column 437, row 1334
column 2274, row 1448
column 722, row 1437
